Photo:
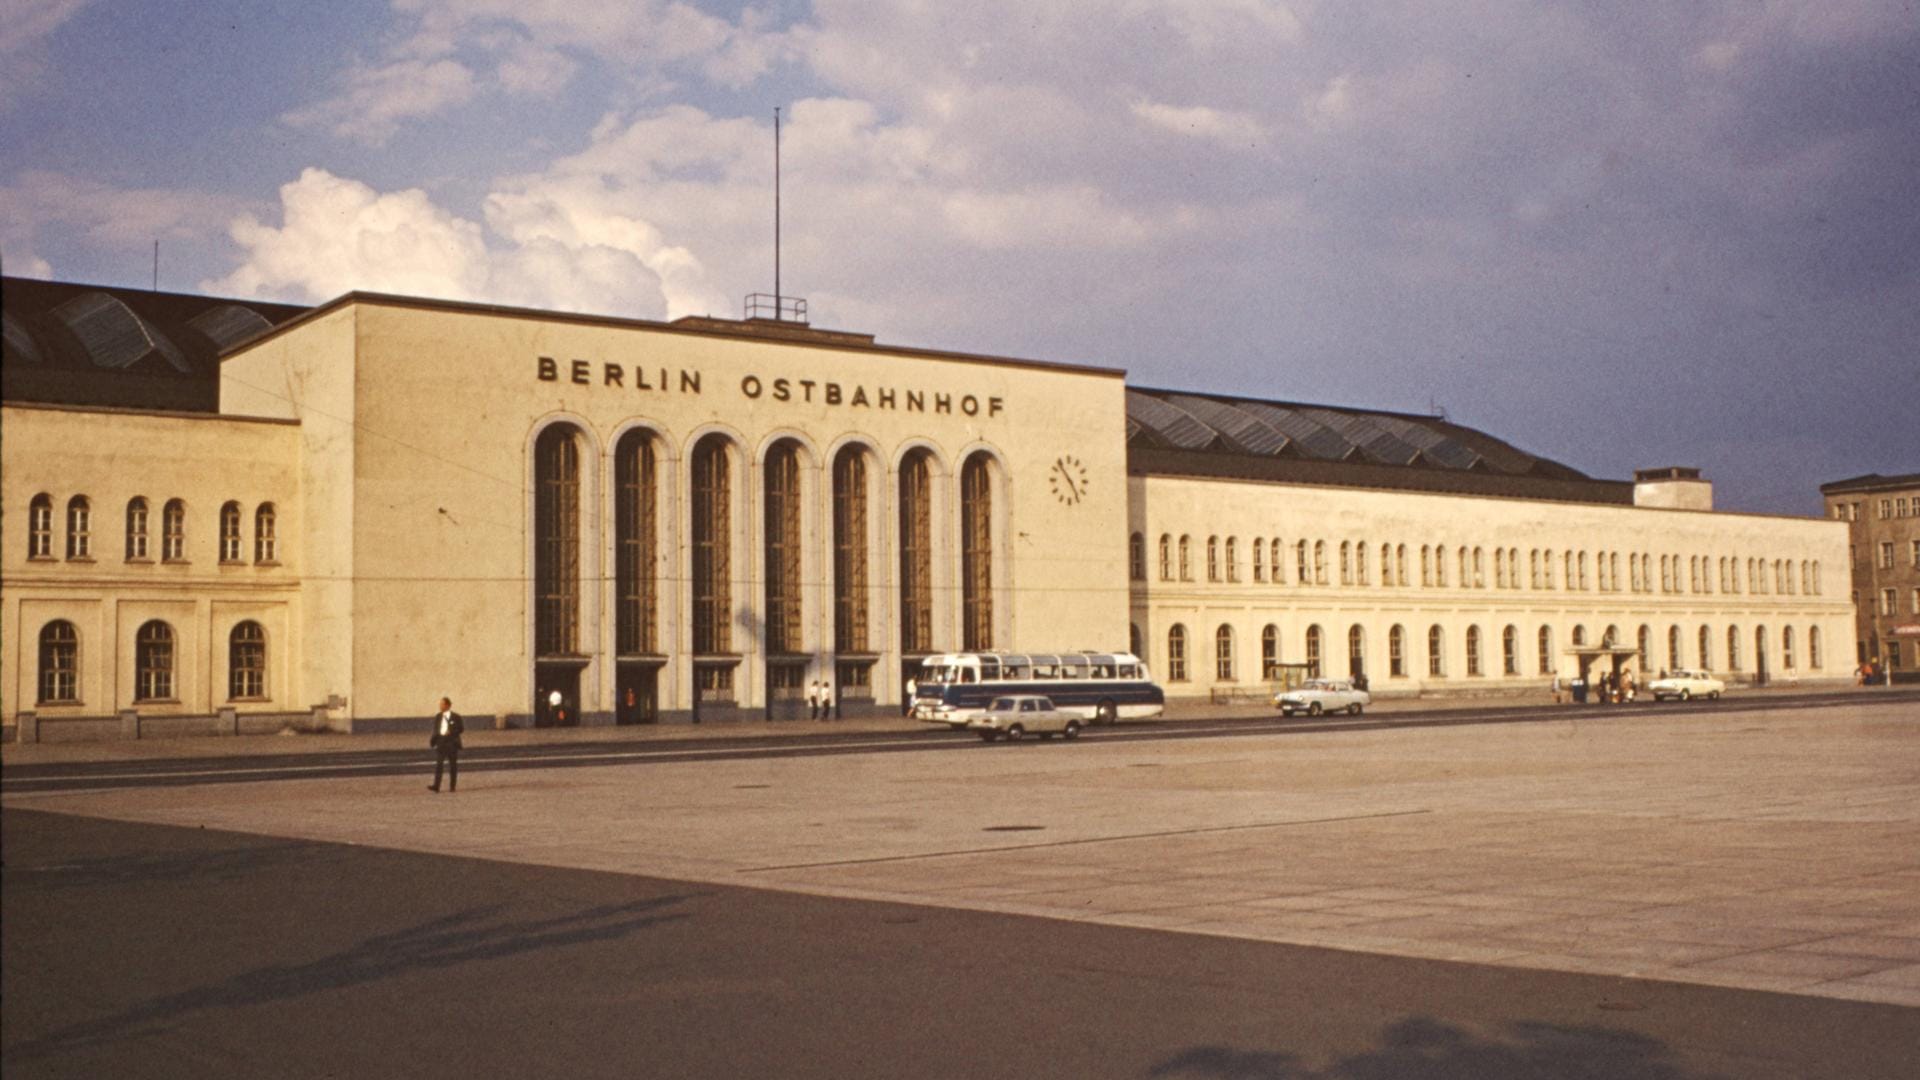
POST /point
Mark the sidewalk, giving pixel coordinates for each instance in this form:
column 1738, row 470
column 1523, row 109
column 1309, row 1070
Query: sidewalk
column 477, row 737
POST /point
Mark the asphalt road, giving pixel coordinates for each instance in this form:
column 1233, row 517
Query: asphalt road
column 138, row 950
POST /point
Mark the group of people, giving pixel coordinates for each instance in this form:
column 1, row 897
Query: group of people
column 1607, row 688
column 819, row 701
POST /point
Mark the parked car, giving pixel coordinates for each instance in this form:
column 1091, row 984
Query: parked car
column 1316, row 696
column 1013, row 715
column 1685, row 685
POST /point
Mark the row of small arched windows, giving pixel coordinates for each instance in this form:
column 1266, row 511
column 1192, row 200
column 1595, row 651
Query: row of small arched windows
column 1576, row 569
column 1225, row 663
column 154, row 662
column 139, row 534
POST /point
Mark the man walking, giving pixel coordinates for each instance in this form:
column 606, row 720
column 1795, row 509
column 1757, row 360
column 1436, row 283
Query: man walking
column 446, row 744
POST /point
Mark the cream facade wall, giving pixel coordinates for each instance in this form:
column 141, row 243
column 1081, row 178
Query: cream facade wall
column 1776, row 628
column 111, row 458
column 418, row 424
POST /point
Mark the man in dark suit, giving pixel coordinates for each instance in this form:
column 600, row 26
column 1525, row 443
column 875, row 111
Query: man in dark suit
column 446, row 743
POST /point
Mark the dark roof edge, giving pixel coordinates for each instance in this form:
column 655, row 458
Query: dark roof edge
column 1870, row 482
column 841, row 340
column 171, row 414
column 1199, row 463
column 1357, row 409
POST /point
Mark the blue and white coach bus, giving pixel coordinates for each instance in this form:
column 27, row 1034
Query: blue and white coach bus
column 1100, row 687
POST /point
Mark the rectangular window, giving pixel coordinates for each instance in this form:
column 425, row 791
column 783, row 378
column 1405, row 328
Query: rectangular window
column 1886, row 509
column 1886, row 601
column 79, row 529
column 173, row 537
column 1886, row 555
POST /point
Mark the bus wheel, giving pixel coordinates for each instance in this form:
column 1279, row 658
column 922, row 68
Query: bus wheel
column 1015, row 733
column 1105, row 713
column 1073, row 729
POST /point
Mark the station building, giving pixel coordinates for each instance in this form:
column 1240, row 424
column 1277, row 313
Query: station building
column 223, row 515
column 1883, row 532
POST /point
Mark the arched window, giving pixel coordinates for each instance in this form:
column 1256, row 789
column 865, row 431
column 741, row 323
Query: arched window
column 1137, row 557
column 850, row 578
column 40, row 527
column 1436, row 652
column 1813, row 647
column 153, row 662
column 1786, row 648
column 173, row 531
column 1611, row 638
column 1319, row 562
column 1397, row 652
column 976, row 553
column 1426, row 566
column 1356, row 651
column 1400, row 564
column 780, row 478
column 1440, row 566
column 247, row 662
column 136, row 529
column 1233, row 559
column 1466, row 568
column 1613, row 571
column 1473, row 650
column 1510, row 651
column 1259, row 560
column 1386, row 563
column 1733, row 648
column 1583, row 572
column 1346, row 562
column 1213, row 558
column 1313, row 651
column 1479, row 569
column 1546, row 650
column 1274, row 560
column 59, row 663
column 1223, row 654
column 1270, row 652
column 1360, row 563
column 79, row 528
column 265, row 544
column 1706, row 649
column 916, row 553
column 1303, row 573
column 1644, row 643
column 1177, row 653
column 1499, row 568
column 1579, row 636
column 1166, row 557
column 636, row 544
column 1673, row 647
column 556, row 550
column 1186, row 558
column 230, row 533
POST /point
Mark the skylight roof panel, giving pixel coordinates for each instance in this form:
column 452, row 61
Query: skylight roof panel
column 19, row 344
column 113, row 336
column 1310, row 435
column 229, row 324
column 1243, row 428
column 1172, row 424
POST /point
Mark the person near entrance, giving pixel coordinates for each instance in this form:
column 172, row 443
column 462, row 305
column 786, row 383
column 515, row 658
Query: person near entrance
column 826, row 701
column 813, row 701
column 445, row 741
column 556, row 709
column 906, row 707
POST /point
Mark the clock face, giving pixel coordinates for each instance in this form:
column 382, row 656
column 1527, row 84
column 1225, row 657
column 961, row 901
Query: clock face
column 1068, row 477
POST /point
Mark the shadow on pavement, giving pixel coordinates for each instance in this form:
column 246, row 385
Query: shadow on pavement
column 1421, row 1048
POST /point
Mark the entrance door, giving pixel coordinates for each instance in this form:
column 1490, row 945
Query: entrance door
column 636, row 695
column 549, row 678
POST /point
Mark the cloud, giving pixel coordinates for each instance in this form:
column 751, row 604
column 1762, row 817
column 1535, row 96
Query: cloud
column 373, row 101
column 1199, row 121
column 25, row 28
column 38, row 206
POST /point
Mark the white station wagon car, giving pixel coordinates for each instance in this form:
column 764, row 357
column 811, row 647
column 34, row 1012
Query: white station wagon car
column 1016, row 714
column 1316, row 696
column 1686, row 684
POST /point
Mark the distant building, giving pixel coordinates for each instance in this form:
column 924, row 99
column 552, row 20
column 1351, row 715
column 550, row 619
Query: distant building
column 1883, row 536
column 229, row 514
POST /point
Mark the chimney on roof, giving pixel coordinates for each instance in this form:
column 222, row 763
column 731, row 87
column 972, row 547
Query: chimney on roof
column 1672, row 488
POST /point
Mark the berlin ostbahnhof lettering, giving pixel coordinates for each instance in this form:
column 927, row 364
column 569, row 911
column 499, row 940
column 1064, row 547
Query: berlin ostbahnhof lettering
column 581, row 373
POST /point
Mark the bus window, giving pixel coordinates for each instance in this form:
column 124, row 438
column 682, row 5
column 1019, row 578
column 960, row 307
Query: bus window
column 1129, row 671
column 1074, row 668
column 989, row 669
column 1016, row 672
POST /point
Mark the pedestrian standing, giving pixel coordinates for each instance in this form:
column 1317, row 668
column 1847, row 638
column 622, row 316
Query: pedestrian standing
column 1556, row 688
column 445, row 741
column 813, row 701
column 826, row 701
column 912, row 689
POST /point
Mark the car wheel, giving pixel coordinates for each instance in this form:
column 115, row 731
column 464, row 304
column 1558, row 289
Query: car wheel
column 1016, row 733
column 1313, row 709
column 1073, row 729
column 1353, row 709
column 1105, row 713
column 1686, row 695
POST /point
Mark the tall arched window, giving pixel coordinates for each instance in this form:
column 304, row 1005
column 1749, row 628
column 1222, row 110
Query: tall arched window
column 153, row 662
column 79, row 528
column 1546, row 650
column 1223, row 653
column 1786, row 648
column 1356, row 651
column 1313, row 651
column 850, row 551
column 713, row 554
column 173, row 531
column 1346, row 562
column 1270, row 652
column 1400, row 564
column 1673, row 647
column 1426, row 565
column 1319, row 562
column 1275, row 561
column 636, row 524
column 1397, row 652
column 1177, row 653
column 1213, row 558
column 1813, row 647
column 1137, row 557
column 1473, row 650
column 1440, row 565
column 1644, row 642
column 1706, row 649
column 1186, row 558
column 1259, row 560
column 59, row 663
column 266, row 545
column 1733, row 648
column 1583, row 572
column 1499, row 568
column 230, row 540
column 1510, row 651
column 247, row 662
column 1579, row 636
column 1302, row 572
column 556, row 551
column 976, row 553
column 136, row 529
column 1386, row 564
column 1233, row 558
column 1360, row 563
column 40, row 527
column 1436, row 652
column 1166, row 557
column 916, row 553
column 781, row 524
column 1479, row 569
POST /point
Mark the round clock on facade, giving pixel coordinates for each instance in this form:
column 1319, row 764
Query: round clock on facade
column 1069, row 479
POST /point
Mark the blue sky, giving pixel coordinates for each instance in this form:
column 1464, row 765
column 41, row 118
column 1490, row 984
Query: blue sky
column 1617, row 235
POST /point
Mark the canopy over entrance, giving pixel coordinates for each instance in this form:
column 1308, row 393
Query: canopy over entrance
column 1614, row 658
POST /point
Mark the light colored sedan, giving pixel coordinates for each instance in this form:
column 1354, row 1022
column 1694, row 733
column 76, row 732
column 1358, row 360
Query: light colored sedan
column 1016, row 714
column 1686, row 685
column 1316, row 696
